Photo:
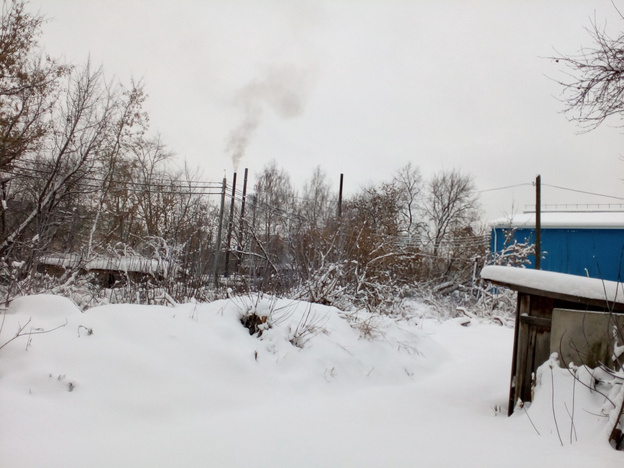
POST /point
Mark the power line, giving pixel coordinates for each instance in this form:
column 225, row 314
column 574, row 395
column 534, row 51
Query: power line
column 504, row 188
column 583, row 192
column 181, row 187
column 156, row 181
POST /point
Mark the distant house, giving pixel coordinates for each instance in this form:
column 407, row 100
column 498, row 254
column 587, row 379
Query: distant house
column 578, row 243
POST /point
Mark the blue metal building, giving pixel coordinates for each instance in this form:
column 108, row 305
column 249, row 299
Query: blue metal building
column 578, row 243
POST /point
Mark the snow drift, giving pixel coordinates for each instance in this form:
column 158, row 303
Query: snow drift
column 148, row 386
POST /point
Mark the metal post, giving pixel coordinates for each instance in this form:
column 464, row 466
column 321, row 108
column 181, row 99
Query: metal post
column 215, row 268
column 230, row 225
column 252, row 258
column 242, row 220
column 242, row 213
column 538, row 223
column 340, row 197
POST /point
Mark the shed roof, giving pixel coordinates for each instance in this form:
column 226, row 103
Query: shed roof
column 571, row 288
column 127, row 263
column 564, row 219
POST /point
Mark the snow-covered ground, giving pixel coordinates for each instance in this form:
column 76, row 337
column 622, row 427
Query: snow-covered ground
column 188, row 386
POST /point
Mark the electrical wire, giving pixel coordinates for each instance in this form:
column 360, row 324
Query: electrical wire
column 504, row 188
column 582, row 191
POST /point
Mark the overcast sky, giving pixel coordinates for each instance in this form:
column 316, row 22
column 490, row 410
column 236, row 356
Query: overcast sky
column 358, row 87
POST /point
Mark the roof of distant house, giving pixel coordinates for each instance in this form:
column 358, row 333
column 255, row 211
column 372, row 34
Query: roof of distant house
column 564, row 219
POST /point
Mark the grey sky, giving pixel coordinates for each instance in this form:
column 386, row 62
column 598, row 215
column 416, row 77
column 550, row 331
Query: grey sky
column 358, row 87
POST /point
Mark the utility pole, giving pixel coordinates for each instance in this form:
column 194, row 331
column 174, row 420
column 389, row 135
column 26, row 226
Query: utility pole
column 242, row 221
column 215, row 268
column 254, row 200
column 538, row 223
column 340, row 197
column 243, row 200
column 230, row 226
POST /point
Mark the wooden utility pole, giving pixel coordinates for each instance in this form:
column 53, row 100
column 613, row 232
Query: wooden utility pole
column 215, row 268
column 538, row 223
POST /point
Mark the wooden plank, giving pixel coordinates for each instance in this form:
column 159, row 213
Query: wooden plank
column 531, row 344
column 536, row 321
column 523, row 351
column 512, row 381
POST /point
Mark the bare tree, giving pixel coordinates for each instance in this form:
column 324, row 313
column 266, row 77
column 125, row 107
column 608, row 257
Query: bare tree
column 78, row 172
column 28, row 83
column 308, row 235
column 410, row 185
column 315, row 205
column 127, row 131
column 157, row 190
column 451, row 204
column 272, row 206
column 594, row 88
column 274, row 198
column 378, row 261
column 28, row 91
column 81, row 127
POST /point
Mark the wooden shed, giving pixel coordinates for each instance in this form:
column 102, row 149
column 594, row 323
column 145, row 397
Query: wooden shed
column 108, row 271
column 556, row 312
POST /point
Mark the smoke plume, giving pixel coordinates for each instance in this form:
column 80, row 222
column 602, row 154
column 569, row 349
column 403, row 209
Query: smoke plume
column 284, row 89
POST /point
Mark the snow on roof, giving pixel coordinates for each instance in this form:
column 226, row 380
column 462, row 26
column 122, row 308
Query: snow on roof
column 557, row 283
column 127, row 264
column 564, row 219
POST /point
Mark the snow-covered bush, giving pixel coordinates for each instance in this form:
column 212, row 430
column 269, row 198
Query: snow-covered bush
column 514, row 253
column 256, row 312
column 325, row 285
column 259, row 313
column 482, row 301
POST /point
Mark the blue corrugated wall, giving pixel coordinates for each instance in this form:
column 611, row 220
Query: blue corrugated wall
column 598, row 253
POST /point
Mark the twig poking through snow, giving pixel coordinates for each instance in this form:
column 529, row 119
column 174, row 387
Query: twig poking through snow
column 521, row 405
column 552, row 388
column 38, row 331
